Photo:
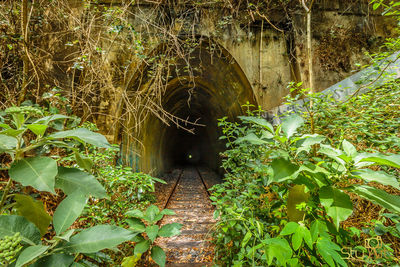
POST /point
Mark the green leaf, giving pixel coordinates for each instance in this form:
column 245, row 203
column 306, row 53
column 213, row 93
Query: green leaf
column 349, row 149
column 167, row 212
column 97, row 238
column 307, row 236
column 12, row 132
column 293, row 262
column 277, row 248
column 71, row 180
column 297, row 238
column 289, row 228
column 332, row 153
column 83, row 162
column 170, row 229
column 151, row 214
column 246, row 239
column 318, row 174
column 380, row 159
column 301, row 233
column 142, row 247
column 330, row 252
column 377, row 196
column 131, row 261
column 68, row 211
column 290, row 124
column 252, row 139
column 152, row 232
column 251, row 250
column 283, row 170
column 83, row 135
column 338, row 205
column 54, row 260
column 266, row 134
column 33, row 211
column 11, row 224
column 158, row 180
column 4, row 125
column 136, row 225
column 138, row 238
column 7, row 142
column 135, row 213
column 318, row 228
column 29, row 254
column 358, row 163
column 38, row 129
column 259, row 121
column 38, row 172
column 65, row 236
column 381, row 177
column 47, row 119
column 158, row 255
column 307, row 141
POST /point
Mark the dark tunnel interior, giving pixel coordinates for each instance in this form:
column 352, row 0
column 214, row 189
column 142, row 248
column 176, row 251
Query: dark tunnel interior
column 218, row 88
column 199, row 146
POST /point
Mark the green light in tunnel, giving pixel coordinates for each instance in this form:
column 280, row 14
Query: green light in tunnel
column 190, row 156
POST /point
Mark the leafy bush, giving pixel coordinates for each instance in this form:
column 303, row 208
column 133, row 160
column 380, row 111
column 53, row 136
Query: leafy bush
column 27, row 137
column 149, row 233
column 370, row 120
column 128, row 189
column 285, row 194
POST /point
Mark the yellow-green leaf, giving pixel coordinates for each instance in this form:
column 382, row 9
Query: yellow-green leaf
column 33, row 210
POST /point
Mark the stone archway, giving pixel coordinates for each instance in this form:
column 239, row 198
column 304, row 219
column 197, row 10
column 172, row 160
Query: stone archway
column 217, row 88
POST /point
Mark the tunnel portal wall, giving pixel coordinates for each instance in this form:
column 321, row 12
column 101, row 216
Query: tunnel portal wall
column 218, row 88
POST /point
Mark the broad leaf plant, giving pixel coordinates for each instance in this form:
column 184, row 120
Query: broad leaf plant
column 286, row 194
column 26, row 138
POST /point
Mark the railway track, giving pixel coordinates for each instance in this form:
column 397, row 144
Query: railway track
column 186, row 194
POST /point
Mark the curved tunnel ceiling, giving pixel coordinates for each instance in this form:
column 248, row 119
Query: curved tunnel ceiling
column 219, row 88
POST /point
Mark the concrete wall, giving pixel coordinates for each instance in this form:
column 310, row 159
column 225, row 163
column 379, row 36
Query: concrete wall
column 257, row 63
column 269, row 59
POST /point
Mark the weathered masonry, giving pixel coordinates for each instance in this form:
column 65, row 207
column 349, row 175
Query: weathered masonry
column 230, row 58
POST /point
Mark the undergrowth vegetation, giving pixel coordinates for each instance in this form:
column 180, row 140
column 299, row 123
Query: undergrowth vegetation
column 64, row 200
column 287, row 192
column 320, row 188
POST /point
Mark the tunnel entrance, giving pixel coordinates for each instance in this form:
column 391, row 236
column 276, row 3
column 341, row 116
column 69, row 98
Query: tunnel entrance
column 216, row 88
column 195, row 140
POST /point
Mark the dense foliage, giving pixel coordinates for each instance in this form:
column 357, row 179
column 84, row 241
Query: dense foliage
column 321, row 188
column 30, row 144
column 294, row 193
column 149, row 232
column 27, row 216
column 285, row 194
column 127, row 189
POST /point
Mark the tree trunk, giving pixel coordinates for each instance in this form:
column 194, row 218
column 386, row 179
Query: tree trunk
column 309, row 46
column 309, row 53
column 25, row 60
column 310, row 60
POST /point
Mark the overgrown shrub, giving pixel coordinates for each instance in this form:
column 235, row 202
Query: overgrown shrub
column 26, row 137
column 35, row 150
column 286, row 195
